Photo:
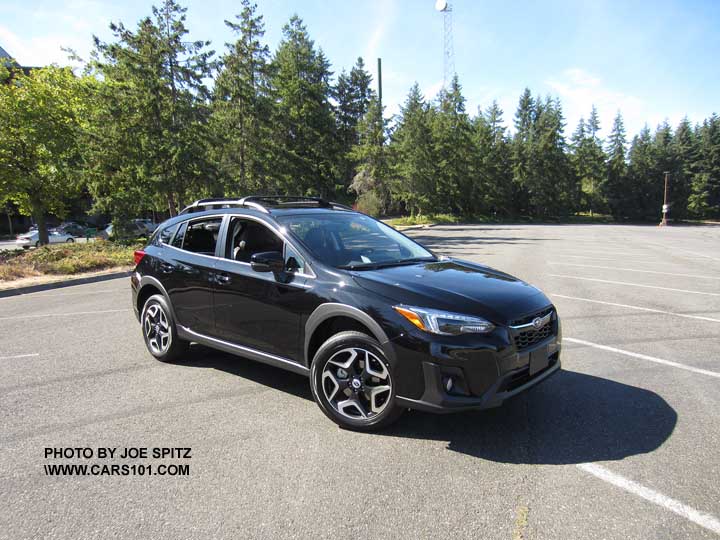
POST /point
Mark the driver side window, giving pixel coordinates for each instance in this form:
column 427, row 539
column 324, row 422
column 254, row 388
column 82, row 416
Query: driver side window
column 247, row 237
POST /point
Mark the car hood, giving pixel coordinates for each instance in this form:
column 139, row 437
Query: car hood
column 455, row 285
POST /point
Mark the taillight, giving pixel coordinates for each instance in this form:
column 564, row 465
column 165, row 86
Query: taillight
column 139, row 254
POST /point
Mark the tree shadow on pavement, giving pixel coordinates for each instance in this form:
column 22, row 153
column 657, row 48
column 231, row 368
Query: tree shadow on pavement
column 571, row 418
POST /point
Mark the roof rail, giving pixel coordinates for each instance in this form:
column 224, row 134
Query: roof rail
column 261, row 203
column 211, row 204
column 287, row 200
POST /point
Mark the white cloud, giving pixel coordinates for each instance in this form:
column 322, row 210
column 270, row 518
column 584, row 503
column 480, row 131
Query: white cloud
column 579, row 90
column 385, row 18
column 70, row 25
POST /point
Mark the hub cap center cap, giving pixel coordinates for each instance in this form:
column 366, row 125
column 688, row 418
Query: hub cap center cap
column 356, row 384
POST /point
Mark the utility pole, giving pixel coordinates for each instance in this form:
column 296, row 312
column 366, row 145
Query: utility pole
column 380, row 84
column 665, row 207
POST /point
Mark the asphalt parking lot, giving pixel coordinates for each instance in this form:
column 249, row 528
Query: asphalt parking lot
column 622, row 444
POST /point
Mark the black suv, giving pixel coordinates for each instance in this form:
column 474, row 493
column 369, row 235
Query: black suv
column 379, row 323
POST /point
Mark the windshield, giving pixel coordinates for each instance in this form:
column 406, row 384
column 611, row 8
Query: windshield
column 353, row 241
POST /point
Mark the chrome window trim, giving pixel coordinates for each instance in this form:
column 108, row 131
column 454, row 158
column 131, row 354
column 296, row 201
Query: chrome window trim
column 277, row 233
column 223, row 216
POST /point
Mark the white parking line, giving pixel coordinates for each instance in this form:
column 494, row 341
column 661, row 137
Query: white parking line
column 622, row 259
column 63, row 314
column 19, row 356
column 634, row 284
column 698, row 276
column 696, row 254
column 643, row 357
column 686, row 316
column 707, row 521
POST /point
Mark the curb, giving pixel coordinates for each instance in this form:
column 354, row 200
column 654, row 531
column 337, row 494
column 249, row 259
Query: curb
column 415, row 227
column 64, row 283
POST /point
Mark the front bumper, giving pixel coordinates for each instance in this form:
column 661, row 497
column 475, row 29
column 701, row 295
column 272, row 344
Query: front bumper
column 436, row 399
column 483, row 374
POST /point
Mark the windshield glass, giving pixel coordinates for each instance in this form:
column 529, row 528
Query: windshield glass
column 353, row 241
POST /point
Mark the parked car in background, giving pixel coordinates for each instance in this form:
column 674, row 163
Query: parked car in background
column 72, row 228
column 32, row 238
column 130, row 230
column 149, row 225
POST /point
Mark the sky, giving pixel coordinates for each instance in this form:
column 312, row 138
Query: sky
column 652, row 60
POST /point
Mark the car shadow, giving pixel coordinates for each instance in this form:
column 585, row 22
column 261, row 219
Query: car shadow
column 571, row 418
column 200, row 356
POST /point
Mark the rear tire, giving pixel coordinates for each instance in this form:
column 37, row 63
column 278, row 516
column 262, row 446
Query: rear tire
column 159, row 331
column 352, row 382
column 69, row 241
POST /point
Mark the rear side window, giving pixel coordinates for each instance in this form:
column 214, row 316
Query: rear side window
column 167, row 233
column 201, row 236
column 180, row 235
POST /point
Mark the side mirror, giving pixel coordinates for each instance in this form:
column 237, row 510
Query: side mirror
column 268, row 261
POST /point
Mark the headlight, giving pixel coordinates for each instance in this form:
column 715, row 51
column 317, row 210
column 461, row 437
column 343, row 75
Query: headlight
column 444, row 322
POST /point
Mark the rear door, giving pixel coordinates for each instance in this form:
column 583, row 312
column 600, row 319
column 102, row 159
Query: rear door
column 187, row 271
column 261, row 310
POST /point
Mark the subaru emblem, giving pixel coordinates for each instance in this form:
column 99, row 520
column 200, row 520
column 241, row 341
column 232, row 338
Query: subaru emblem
column 537, row 323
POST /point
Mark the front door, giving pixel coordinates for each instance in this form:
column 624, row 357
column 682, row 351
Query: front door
column 260, row 310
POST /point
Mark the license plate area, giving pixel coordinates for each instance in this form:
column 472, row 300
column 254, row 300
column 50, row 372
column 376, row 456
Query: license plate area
column 539, row 360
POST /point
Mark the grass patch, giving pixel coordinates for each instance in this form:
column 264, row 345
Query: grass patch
column 449, row 219
column 424, row 219
column 66, row 259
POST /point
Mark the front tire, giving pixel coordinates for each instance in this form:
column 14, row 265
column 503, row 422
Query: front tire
column 159, row 331
column 69, row 241
column 352, row 382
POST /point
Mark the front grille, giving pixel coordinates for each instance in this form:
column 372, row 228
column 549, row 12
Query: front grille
column 529, row 318
column 527, row 337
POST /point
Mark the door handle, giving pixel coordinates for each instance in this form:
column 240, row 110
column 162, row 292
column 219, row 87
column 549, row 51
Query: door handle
column 166, row 268
column 222, row 279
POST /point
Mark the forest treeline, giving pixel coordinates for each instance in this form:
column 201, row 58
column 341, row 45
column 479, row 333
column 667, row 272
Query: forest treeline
column 156, row 121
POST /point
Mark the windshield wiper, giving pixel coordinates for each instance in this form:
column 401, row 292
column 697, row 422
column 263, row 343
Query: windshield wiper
column 386, row 264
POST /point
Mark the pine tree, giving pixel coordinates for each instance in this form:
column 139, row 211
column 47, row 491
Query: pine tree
column 523, row 140
column 353, row 95
column 148, row 138
column 640, row 196
column 588, row 162
column 242, row 108
column 685, row 155
column 457, row 189
column 412, row 156
column 705, row 197
column 370, row 155
column 616, row 175
column 304, row 139
column 494, row 162
column 555, row 190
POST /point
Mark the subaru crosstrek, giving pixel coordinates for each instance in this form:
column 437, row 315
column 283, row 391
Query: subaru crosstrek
column 378, row 323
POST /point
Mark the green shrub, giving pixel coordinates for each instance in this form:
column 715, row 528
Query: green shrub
column 370, row 204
